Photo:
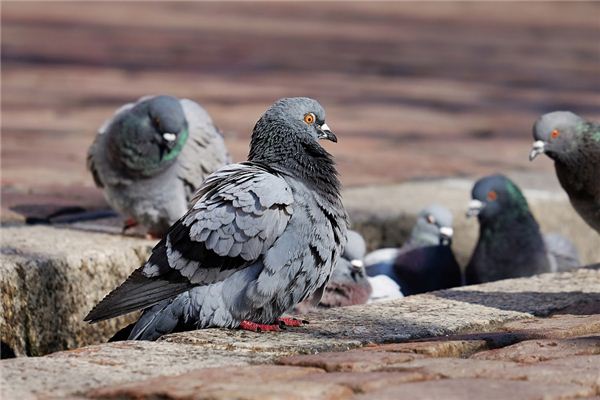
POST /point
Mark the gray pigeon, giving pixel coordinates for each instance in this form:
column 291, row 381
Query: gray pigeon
column 510, row 243
column 574, row 145
column 348, row 284
column 261, row 237
column 426, row 261
column 152, row 156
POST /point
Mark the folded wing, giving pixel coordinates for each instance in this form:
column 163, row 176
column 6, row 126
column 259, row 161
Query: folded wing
column 238, row 213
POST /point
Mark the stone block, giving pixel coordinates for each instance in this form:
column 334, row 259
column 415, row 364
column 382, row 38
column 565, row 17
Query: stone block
column 349, row 360
column 50, row 278
column 489, row 389
column 533, row 351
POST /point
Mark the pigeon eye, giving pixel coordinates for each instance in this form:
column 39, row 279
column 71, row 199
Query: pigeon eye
column 157, row 121
column 431, row 219
column 492, row 196
column 555, row 133
column 309, row 118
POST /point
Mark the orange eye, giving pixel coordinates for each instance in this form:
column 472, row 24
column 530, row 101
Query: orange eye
column 492, row 196
column 309, row 118
column 430, row 219
column 555, row 133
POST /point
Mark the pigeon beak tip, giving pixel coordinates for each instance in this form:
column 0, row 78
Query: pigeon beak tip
column 169, row 137
column 537, row 149
column 475, row 207
column 325, row 133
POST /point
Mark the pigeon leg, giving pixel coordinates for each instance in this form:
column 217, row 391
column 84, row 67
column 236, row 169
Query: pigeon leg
column 128, row 224
column 291, row 321
column 254, row 327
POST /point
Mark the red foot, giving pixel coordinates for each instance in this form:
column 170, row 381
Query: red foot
column 290, row 321
column 128, row 224
column 254, row 327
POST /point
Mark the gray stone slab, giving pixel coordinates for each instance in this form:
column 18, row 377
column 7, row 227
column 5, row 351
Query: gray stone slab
column 467, row 309
column 50, row 278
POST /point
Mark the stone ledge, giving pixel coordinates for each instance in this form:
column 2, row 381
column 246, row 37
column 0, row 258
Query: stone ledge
column 54, row 275
column 459, row 312
column 51, row 277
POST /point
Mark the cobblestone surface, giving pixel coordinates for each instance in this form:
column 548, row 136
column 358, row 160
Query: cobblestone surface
column 485, row 352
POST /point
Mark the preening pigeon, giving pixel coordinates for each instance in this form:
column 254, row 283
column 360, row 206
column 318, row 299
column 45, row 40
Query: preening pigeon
column 262, row 236
column 426, row 261
column 510, row 243
column 348, row 284
column 151, row 157
column 574, row 145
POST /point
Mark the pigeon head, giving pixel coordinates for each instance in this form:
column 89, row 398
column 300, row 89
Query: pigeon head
column 555, row 133
column 497, row 196
column 149, row 136
column 287, row 126
column 433, row 227
column 286, row 138
column 347, row 286
column 355, row 249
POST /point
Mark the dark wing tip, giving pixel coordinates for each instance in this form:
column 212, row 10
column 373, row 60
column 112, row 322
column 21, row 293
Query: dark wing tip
column 136, row 293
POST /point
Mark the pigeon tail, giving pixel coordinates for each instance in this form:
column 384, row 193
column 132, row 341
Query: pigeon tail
column 136, row 293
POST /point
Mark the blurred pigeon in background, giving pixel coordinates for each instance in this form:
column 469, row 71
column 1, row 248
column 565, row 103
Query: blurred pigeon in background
column 510, row 243
column 574, row 145
column 151, row 156
column 426, row 261
column 348, row 284
column 262, row 236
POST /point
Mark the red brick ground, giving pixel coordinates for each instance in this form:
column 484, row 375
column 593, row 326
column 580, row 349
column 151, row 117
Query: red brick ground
column 565, row 365
column 412, row 89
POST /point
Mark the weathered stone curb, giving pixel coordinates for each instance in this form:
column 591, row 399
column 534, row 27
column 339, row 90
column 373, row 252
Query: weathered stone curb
column 51, row 277
column 459, row 311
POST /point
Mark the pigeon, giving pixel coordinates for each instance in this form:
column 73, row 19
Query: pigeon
column 574, row 145
column 426, row 261
column 348, row 284
column 383, row 288
column 261, row 236
column 510, row 243
column 151, row 157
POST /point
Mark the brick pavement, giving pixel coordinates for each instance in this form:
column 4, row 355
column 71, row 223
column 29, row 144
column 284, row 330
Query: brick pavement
column 565, row 365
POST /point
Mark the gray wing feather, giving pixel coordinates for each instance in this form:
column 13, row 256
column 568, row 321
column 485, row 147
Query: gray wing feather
column 562, row 252
column 197, row 249
column 204, row 151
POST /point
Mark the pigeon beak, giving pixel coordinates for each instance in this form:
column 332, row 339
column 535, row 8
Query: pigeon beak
column 446, row 233
column 169, row 137
column 537, row 149
column 169, row 140
column 475, row 207
column 357, row 270
column 325, row 133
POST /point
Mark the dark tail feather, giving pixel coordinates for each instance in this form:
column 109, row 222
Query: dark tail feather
column 123, row 334
column 138, row 292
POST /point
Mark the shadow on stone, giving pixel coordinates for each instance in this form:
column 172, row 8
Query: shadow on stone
column 540, row 304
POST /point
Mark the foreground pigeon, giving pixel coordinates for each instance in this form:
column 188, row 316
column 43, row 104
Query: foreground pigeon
column 262, row 236
column 151, row 156
column 510, row 243
column 574, row 145
column 426, row 261
column 348, row 284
